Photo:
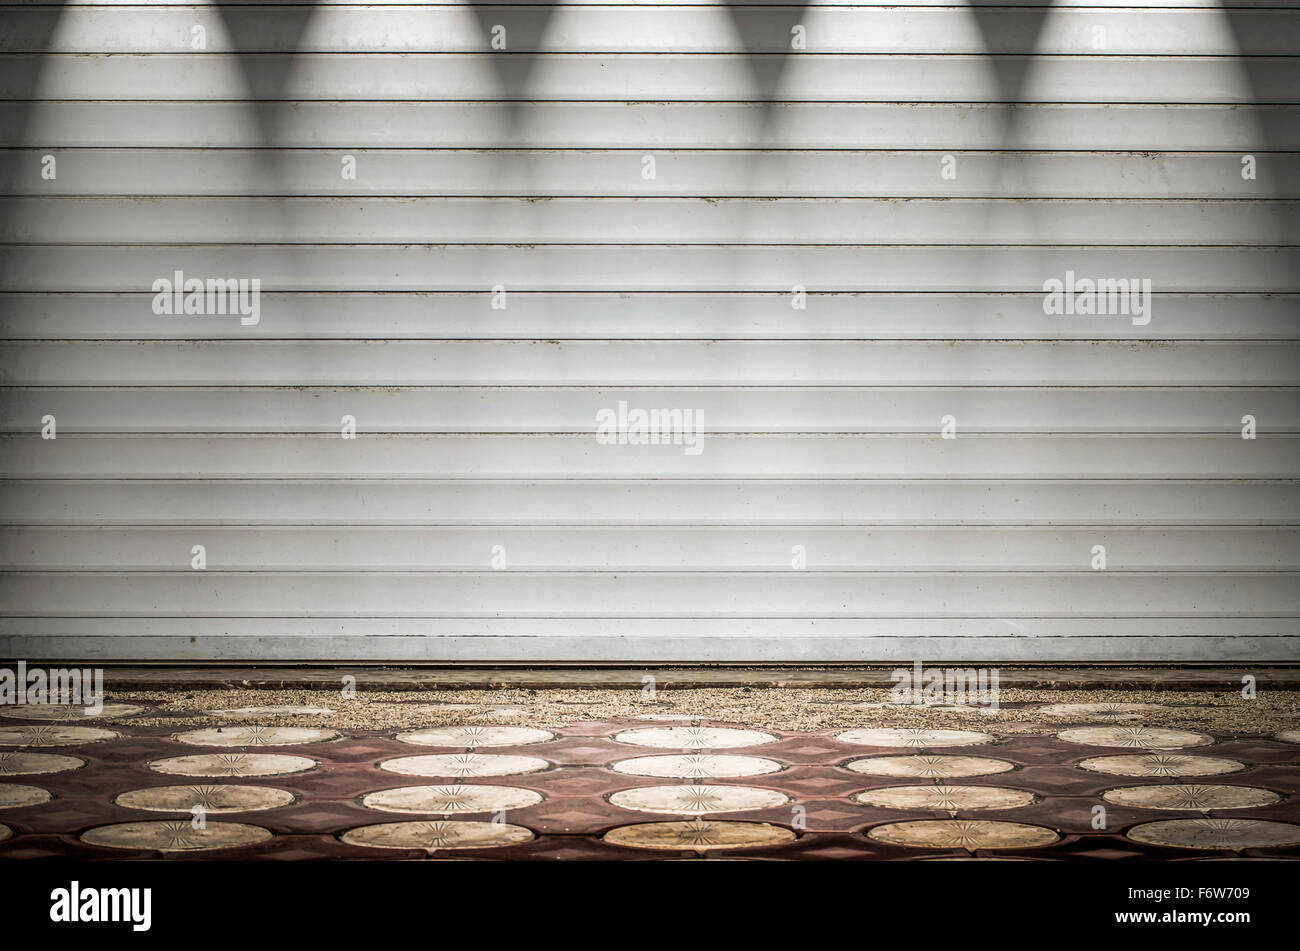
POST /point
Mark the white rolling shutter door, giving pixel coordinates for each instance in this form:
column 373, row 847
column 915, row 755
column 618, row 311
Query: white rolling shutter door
column 821, row 234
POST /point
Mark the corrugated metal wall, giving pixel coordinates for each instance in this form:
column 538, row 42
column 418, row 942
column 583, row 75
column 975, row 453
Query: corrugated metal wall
column 824, row 230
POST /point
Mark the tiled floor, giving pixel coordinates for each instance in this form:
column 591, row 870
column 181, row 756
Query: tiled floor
column 1097, row 785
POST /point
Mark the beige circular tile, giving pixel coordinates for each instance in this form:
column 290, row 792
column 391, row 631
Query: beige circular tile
column 464, row 764
column 930, row 765
column 944, row 798
column 69, row 711
column 969, row 834
column 213, row 799
column 1288, row 736
column 1191, row 797
column 5, row 832
column 941, row 705
column 437, row 836
column 698, row 800
column 1101, row 711
column 51, row 734
column 1134, row 737
column 284, row 710
column 233, row 764
column 917, row 738
column 475, row 710
column 700, row 835
column 475, row 736
column 254, row 736
column 444, row 800
column 696, row 766
column 177, row 836
column 14, row 796
column 34, row 764
column 693, row 737
column 671, row 717
column 1229, row 834
column 1161, row 764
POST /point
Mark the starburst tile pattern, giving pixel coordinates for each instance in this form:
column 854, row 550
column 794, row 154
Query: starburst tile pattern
column 797, row 795
column 296, row 710
column 1228, row 834
column 15, row 796
column 698, row 800
column 438, row 836
column 929, row 765
column 472, row 710
column 67, row 711
column 254, row 736
column 945, row 798
column 444, row 800
column 699, row 835
column 1162, row 764
column 697, row 766
column 179, row 836
column 1191, row 797
column 1135, row 737
column 468, row 737
column 693, row 738
column 34, row 764
column 233, row 764
column 452, row 765
column 913, row 737
column 213, row 799
column 49, row 734
column 969, row 834
column 1100, row 711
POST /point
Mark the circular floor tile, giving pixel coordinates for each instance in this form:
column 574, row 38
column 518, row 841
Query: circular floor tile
column 473, row 736
column 1101, row 711
column 33, row 764
column 67, row 711
column 14, row 796
column 941, row 705
column 287, row 710
column 933, row 766
column 1161, row 764
column 1134, row 737
column 1191, row 797
column 918, row 738
column 1230, row 834
column 444, row 800
column 475, row 710
column 254, row 736
column 969, row 834
column 696, row 800
column 5, row 832
column 179, row 836
column 213, row 799
column 233, row 764
column 436, row 836
column 944, row 798
column 693, row 737
column 696, row 766
column 678, row 717
column 463, row 764
column 1288, row 736
column 700, row 835
column 50, row 734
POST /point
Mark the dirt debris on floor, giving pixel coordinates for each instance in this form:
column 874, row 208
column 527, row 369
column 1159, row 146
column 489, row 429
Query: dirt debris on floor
column 1223, row 713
